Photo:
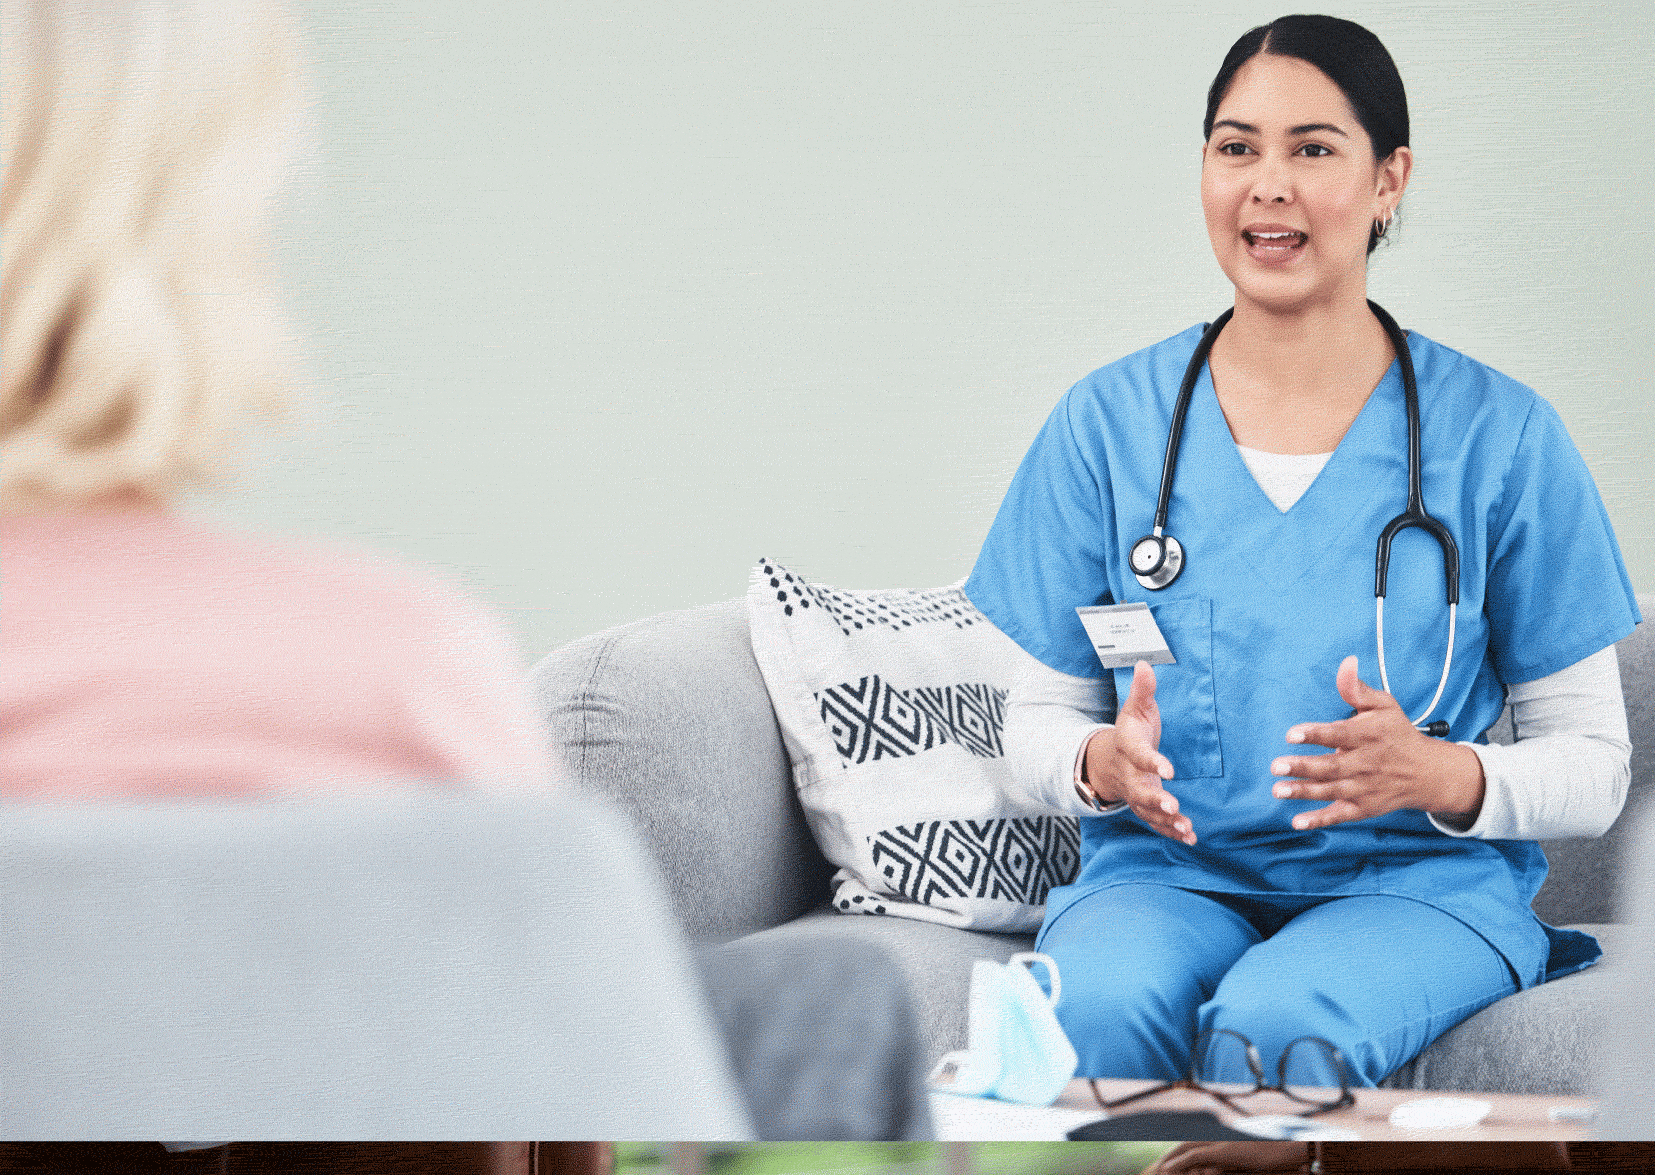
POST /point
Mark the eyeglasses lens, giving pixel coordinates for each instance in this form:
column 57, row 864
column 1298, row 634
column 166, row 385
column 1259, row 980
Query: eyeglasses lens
column 1313, row 1071
column 1225, row 1059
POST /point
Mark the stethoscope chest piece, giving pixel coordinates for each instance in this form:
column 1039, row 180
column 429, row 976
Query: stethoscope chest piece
column 1156, row 560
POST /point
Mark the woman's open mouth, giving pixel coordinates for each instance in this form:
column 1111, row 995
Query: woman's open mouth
column 1274, row 245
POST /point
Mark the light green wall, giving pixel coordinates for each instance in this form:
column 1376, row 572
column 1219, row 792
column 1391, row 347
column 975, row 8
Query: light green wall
column 606, row 300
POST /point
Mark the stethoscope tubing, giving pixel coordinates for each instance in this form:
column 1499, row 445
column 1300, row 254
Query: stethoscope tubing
column 1447, row 660
column 1175, row 434
column 1414, row 515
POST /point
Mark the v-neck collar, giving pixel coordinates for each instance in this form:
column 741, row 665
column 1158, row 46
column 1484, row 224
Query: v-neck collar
column 1285, row 469
column 1283, row 546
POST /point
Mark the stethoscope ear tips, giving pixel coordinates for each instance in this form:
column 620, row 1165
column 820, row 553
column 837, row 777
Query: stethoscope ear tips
column 1156, row 561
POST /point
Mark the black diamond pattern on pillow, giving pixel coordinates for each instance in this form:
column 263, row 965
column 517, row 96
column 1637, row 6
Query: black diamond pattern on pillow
column 1016, row 860
column 870, row 719
column 973, row 715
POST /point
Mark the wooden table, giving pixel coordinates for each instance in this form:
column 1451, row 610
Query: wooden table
column 1514, row 1116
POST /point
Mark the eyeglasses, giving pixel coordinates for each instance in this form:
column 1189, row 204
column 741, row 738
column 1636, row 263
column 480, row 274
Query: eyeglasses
column 1309, row 1070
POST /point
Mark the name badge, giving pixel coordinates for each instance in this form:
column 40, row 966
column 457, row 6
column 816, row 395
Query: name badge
column 1124, row 634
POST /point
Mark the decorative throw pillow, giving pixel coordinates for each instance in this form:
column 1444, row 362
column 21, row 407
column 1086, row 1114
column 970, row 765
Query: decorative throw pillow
column 892, row 705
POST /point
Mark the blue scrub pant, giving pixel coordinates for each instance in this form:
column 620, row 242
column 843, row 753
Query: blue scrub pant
column 1147, row 968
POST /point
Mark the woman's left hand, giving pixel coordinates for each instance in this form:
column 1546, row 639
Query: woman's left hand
column 1380, row 763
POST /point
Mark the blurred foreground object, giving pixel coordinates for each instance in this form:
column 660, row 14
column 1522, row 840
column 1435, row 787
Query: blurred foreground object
column 408, row 965
column 149, row 656
column 823, row 1037
column 141, row 144
column 1626, row 1087
column 155, row 657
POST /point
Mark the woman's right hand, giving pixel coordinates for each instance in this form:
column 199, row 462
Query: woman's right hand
column 1124, row 763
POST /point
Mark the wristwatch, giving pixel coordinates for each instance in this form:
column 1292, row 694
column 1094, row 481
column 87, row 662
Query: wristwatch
column 1083, row 789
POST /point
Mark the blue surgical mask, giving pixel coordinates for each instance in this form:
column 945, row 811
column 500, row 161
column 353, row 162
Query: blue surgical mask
column 1016, row 1050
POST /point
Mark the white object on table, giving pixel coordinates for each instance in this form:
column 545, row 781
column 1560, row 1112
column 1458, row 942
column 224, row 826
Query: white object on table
column 1440, row 1113
column 1292, row 1128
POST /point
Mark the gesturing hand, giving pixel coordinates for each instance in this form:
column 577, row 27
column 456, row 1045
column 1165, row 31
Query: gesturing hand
column 1124, row 763
column 1380, row 763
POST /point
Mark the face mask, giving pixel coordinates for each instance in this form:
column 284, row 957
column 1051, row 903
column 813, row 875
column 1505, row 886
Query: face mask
column 1017, row 1050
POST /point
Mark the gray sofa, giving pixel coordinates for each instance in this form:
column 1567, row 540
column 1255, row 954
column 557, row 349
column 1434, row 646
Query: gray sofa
column 669, row 717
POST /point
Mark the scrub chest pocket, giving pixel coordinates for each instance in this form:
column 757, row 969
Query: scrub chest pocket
column 1184, row 692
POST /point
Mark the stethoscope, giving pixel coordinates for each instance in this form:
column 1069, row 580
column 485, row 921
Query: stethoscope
column 1158, row 558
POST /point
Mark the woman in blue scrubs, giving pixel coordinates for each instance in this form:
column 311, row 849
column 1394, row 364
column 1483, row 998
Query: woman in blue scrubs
column 1272, row 846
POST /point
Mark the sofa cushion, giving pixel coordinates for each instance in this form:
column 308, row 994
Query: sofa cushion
column 668, row 717
column 892, row 707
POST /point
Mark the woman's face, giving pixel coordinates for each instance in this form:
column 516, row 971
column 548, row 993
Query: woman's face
column 1289, row 186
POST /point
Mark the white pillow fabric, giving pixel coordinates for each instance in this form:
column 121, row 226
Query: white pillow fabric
column 892, row 706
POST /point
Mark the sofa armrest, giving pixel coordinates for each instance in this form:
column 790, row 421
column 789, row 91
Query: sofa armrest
column 669, row 717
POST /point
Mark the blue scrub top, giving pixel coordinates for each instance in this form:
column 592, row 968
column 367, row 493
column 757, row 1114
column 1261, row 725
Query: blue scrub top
column 1269, row 603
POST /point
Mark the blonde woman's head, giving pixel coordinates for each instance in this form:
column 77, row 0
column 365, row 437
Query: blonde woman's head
column 143, row 141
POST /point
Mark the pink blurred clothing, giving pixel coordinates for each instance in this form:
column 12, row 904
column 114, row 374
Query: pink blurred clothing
column 145, row 655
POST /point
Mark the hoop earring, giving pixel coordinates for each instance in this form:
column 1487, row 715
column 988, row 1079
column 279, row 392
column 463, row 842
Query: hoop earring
column 1381, row 227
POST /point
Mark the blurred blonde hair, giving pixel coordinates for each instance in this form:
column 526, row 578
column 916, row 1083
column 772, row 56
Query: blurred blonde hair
column 143, row 141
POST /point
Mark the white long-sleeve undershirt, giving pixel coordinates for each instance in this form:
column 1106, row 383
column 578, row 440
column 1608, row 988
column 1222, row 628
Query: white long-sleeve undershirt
column 1565, row 775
